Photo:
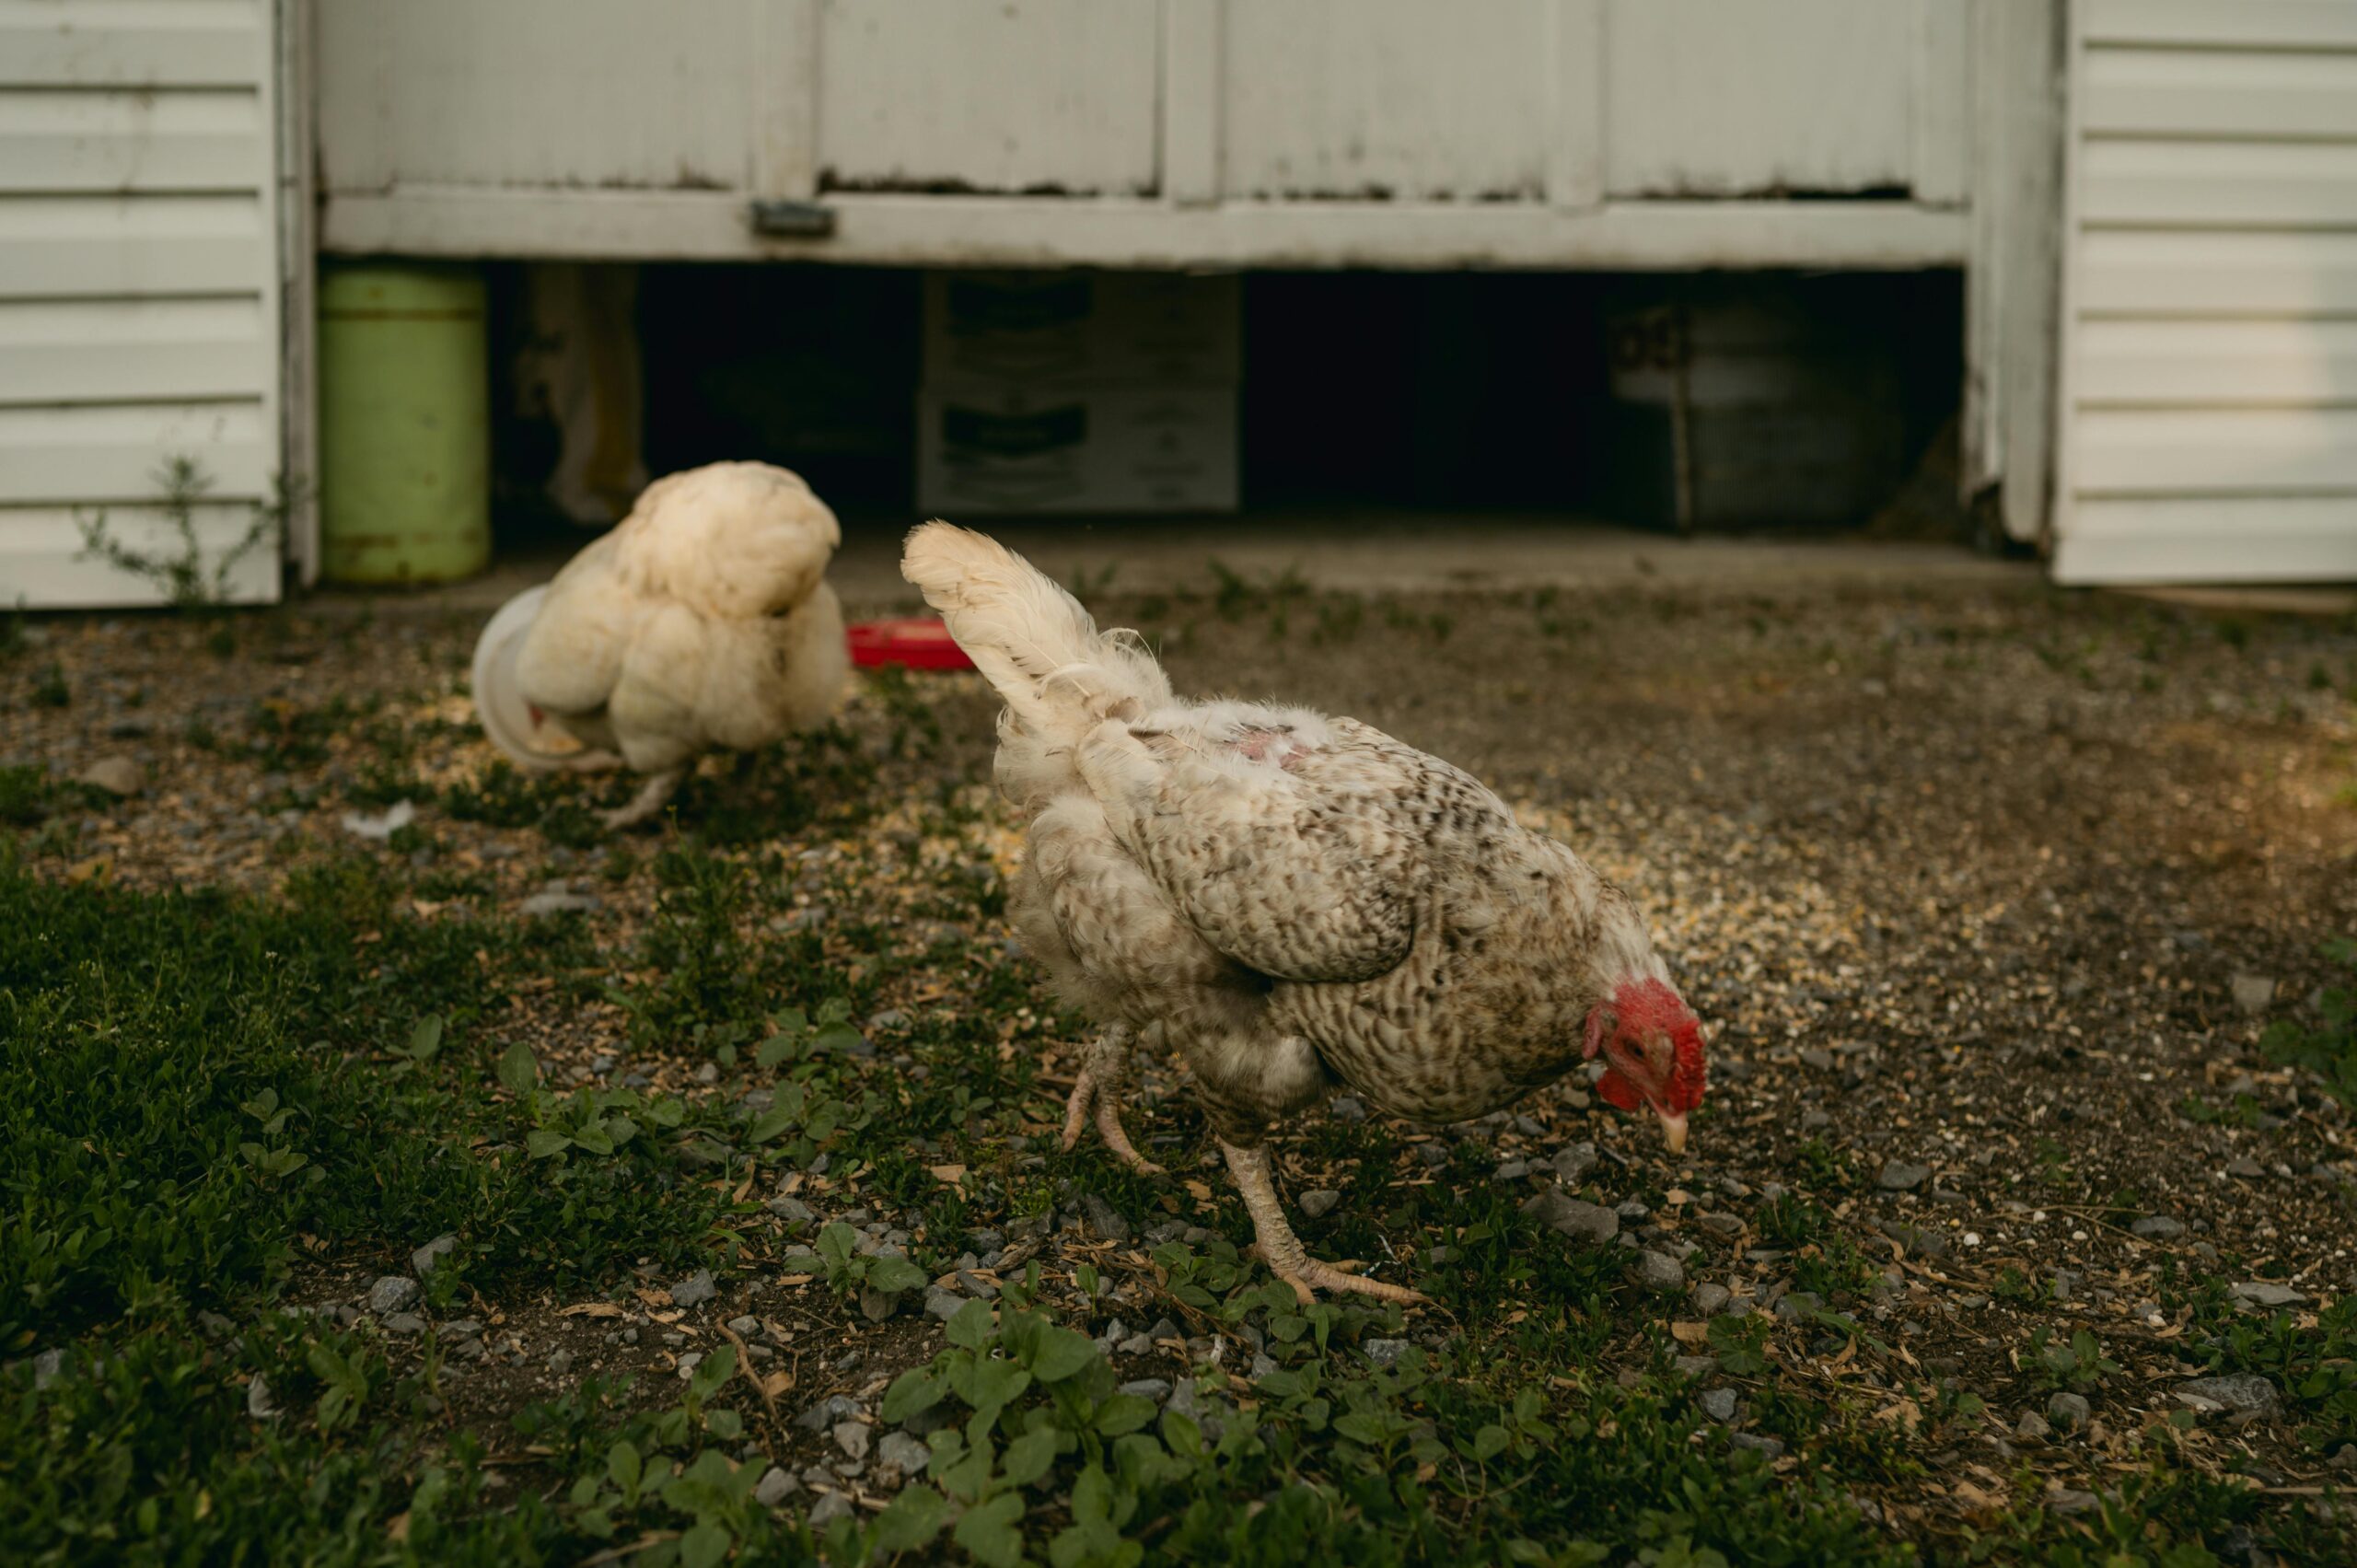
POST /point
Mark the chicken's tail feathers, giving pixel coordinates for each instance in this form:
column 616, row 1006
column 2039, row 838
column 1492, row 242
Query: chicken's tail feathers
column 1030, row 638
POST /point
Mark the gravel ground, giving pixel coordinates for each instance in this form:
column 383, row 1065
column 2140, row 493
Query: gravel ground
column 1985, row 894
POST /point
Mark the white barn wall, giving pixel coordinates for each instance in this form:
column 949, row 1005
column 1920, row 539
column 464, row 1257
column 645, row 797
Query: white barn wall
column 139, row 282
column 2208, row 428
column 1154, row 133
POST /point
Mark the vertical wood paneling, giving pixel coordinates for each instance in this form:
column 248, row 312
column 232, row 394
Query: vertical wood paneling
column 1578, row 86
column 1388, row 99
column 1191, row 100
column 1052, row 96
column 1724, row 98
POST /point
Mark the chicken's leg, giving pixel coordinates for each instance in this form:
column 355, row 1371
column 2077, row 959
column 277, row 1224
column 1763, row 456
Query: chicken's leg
column 1104, row 1069
column 652, row 796
column 1280, row 1249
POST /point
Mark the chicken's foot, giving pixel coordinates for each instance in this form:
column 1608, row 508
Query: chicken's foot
column 1102, row 1074
column 652, row 796
column 1283, row 1250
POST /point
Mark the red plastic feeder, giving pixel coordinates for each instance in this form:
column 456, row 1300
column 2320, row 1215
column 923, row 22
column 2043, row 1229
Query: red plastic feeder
column 919, row 643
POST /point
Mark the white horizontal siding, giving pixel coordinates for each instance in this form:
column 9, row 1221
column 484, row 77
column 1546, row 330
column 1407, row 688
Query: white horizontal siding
column 2220, row 184
column 61, row 246
column 2246, row 24
column 2138, row 361
column 112, row 454
column 2149, row 272
column 2209, row 401
column 42, row 554
column 2288, row 539
column 131, row 139
column 129, row 44
column 2266, row 451
column 139, row 298
column 2194, row 92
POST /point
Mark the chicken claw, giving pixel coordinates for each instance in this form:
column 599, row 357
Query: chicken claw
column 1282, row 1249
column 1099, row 1084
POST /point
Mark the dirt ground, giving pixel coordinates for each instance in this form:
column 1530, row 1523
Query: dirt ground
column 1985, row 891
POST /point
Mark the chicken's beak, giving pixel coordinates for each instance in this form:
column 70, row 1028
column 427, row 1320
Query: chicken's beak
column 1673, row 1132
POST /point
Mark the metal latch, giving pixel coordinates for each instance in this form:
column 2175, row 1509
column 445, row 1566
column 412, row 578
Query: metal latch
column 794, row 220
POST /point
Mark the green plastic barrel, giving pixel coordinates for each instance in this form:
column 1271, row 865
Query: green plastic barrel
column 404, row 425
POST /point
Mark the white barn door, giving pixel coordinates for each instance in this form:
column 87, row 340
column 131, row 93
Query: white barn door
column 140, row 288
column 2208, row 397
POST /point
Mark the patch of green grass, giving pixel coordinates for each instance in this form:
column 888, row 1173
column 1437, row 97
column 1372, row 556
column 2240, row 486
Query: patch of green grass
column 2076, row 1362
column 189, row 1084
column 2328, row 1047
column 501, row 796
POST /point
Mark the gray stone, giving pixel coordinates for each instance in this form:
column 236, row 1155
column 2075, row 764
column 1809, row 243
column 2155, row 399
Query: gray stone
column 1207, row 1411
column 402, row 1323
column 878, row 1305
column 557, row 899
column 941, row 1303
column 1659, row 1271
column 1581, row 1221
column 1696, row 1365
column 831, row 1506
column 774, row 1487
column 693, row 1290
column 1511, row 1170
column 902, row 1452
column 428, row 1258
column 826, row 1413
column 1799, row 1305
column 391, row 1292
column 1772, row 1449
column 1920, row 1242
column 2345, row 1459
column 1103, row 1218
column 2031, row 1425
column 689, row 1362
column 2247, row 1168
column 1718, row 1404
column 1573, row 1161
column 2239, row 1391
column 1385, row 1353
column 1710, row 1300
column 50, row 1364
column 2266, row 1293
column 793, row 1211
column 561, row 1362
column 1263, row 1365
column 2157, row 1227
column 1319, row 1202
column 1155, row 1388
column 2068, row 1411
column 2253, row 993
column 259, row 1404
column 1898, row 1175
column 851, row 1437
column 1346, row 1108
column 119, row 776
column 744, row 1327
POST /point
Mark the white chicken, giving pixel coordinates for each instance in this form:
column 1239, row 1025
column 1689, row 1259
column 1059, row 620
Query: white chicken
column 1291, row 902
column 702, row 622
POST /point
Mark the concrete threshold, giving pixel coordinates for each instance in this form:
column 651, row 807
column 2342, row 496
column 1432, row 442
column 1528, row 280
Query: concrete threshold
column 1368, row 555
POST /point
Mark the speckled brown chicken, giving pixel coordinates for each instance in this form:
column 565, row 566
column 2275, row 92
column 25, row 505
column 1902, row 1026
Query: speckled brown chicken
column 1290, row 901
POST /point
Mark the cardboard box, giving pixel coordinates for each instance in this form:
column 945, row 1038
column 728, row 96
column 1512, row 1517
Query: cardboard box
column 1078, row 328
column 985, row 448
